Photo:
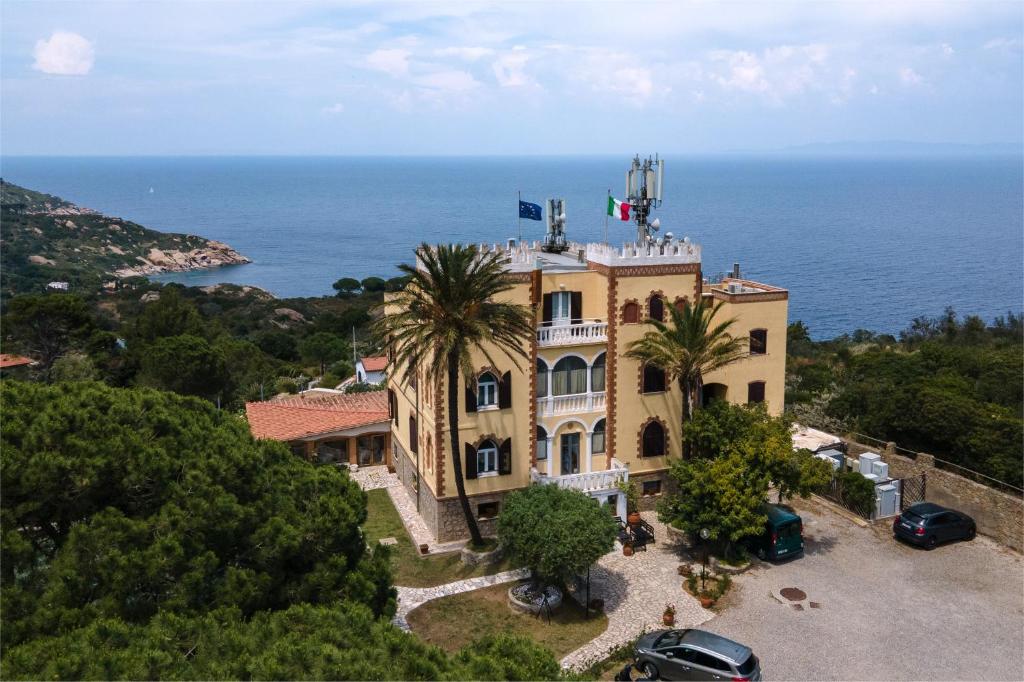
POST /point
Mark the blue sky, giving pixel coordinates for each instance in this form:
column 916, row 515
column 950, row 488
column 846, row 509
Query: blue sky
column 504, row 78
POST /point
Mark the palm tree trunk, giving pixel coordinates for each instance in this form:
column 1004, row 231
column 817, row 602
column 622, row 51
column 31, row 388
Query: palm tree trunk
column 453, row 428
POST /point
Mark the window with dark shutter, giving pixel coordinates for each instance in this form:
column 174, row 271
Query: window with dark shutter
column 656, row 308
column 547, row 310
column 653, row 440
column 654, row 379
column 576, row 307
column 758, row 341
column 392, row 405
column 755, row 392
column 505, row 458
column 470, row 399
column 414, row 441
column 505, row 391
column 470, row 468
column 631, row 313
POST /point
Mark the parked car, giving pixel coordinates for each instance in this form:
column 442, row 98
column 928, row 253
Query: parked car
column 927, row 524
column 783, row 535
column 694, row 655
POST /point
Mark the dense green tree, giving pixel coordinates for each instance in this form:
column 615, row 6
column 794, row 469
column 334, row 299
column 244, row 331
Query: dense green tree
column 73, row 367
column 347, row 287
column 47, row 326
column 724, row 495
column 279, row 344
column 128, row 503
column 245, row 365
column 396, row 283
column 323, row 348
column 557, row 532
column 302, row 642
column 170, row 315
column 373, row 284
column 691, row 345
column 186, row 364
column 446, row 312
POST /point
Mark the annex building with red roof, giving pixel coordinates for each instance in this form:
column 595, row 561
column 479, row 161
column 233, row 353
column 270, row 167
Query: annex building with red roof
column 327, row 426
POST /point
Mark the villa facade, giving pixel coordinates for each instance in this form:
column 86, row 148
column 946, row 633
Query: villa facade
column 578, row 413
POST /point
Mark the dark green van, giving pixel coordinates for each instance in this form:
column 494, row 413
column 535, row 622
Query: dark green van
column 783, row 535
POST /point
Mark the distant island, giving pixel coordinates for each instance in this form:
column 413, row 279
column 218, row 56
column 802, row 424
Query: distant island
column 47, row 239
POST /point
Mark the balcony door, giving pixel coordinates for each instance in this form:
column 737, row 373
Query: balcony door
column 570, row 448
column 561, row 308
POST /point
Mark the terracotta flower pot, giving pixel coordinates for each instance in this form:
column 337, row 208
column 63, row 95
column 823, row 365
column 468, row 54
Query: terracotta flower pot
column 706, row 602
column 627, row 550
column 669, row 619
column 633, row 518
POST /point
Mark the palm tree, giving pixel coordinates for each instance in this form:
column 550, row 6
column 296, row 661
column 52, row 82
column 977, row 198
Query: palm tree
column 691, row 346
column 447, row 311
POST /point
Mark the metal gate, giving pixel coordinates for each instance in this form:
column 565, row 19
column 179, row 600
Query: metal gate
column 912, row 490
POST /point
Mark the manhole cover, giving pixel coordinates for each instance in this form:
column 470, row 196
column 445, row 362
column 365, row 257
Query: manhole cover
column 793, row 594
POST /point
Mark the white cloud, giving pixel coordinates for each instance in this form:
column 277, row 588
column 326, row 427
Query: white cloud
column 745, row 72
column 467, row 53
column 64, row 54
column 509, row 69
column 909, row 77
column 1002, row 44
column 336, row 108
column 448, row 81
column 947, row 49
column 393, row 62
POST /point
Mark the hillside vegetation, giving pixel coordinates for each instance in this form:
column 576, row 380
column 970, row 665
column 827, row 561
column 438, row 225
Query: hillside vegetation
column 45, row 238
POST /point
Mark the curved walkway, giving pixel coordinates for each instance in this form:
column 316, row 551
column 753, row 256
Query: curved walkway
column 635, row 591
column 411, row 597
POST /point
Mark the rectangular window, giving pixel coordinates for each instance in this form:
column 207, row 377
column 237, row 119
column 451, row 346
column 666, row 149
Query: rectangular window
column 414, row 436
column 651, row 488
column 487, row 393
column 597, row 443
column 560, row 305
column 487, row 510
column 755, row 392
column 370, row 450
column 542, row 449
column 758, row 341
column 654, row 379
column 486, row 461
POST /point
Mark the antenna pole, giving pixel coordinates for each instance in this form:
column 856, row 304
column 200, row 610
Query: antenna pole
column 520, row 214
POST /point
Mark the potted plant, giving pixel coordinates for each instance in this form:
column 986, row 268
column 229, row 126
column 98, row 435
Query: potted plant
column 706, row 600
column 627, row 549
column 669, row 617
column 632, row 493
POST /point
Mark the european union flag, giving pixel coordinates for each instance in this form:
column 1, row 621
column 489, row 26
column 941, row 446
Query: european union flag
column 529, row 211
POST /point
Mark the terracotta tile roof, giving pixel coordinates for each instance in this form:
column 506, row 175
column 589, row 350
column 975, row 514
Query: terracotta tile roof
column 378, row 363
column 298, row 416
column 10, row 360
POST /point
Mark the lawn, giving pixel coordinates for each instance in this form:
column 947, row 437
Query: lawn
column 410, row 569
column 452, row 622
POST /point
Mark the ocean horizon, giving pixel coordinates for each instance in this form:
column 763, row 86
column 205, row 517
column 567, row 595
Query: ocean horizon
column 860, row 241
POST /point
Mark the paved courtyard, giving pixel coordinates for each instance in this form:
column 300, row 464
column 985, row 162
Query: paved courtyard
column 884, row 610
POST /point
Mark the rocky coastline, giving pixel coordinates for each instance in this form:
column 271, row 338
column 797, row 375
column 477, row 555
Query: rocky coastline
column 214, row 255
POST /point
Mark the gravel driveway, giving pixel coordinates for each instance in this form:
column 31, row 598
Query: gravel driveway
column 882, row 610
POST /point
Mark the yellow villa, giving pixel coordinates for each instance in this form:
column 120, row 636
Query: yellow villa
column 579, row 413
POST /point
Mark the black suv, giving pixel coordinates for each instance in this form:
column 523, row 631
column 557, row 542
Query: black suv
column 928, row 524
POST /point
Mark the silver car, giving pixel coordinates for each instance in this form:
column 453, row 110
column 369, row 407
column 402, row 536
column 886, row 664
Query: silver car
column 695, row 655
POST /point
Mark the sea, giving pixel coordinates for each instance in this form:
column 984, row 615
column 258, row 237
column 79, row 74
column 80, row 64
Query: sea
column 859, row 242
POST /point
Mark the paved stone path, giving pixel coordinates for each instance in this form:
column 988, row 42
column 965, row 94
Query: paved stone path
column 635, row 591
column 373, row 478
column 411, row 597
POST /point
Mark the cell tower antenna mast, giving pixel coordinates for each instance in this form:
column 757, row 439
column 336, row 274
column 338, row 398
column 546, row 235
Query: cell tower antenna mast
column 643, row 192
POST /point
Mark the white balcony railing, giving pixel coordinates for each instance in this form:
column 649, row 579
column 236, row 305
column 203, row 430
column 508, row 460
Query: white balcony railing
column 589, row 482
column 573, row 334
column 570, row 404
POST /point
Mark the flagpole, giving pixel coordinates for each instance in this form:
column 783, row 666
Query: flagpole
column 519, row 213
column 606, row 216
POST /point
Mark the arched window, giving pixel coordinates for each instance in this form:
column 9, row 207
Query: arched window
column 487, row 458
column 542, row 443
column 597, row 374
column 414, row 435
column 653, row 440
column 758, row 341
column 542, row 378
column 569, row 376
column 656, row 308
column 654, row 379
column 630, row 313
column 486, row 390
column 597, row 440
column 430, row 452
column 755, row 392
column 681, row 302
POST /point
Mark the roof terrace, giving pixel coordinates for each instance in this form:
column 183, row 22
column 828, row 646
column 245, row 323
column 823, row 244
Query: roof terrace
column 527, row 256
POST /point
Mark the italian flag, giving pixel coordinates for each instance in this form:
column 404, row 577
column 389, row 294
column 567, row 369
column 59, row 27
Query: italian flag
column 618, row 208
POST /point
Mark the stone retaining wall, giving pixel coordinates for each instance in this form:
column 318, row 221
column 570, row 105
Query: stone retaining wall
column 998, row 514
